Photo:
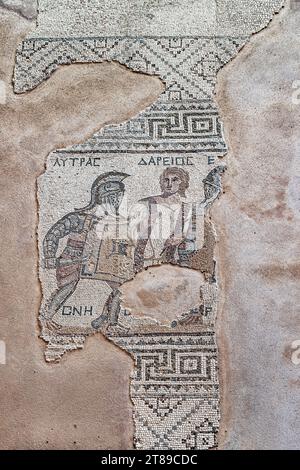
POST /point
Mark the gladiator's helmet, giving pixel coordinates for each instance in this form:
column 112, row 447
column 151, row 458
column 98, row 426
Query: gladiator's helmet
column 108, row 190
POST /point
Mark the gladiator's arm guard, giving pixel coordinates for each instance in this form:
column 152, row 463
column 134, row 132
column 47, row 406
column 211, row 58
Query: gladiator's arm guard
column 70, row 223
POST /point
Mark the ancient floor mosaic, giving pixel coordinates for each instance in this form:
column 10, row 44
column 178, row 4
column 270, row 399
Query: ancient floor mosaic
column 125, row 236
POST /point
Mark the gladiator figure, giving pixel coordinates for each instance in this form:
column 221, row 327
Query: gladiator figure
column 95, row 248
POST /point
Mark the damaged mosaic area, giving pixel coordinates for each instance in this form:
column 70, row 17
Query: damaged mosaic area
column 125, row 236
